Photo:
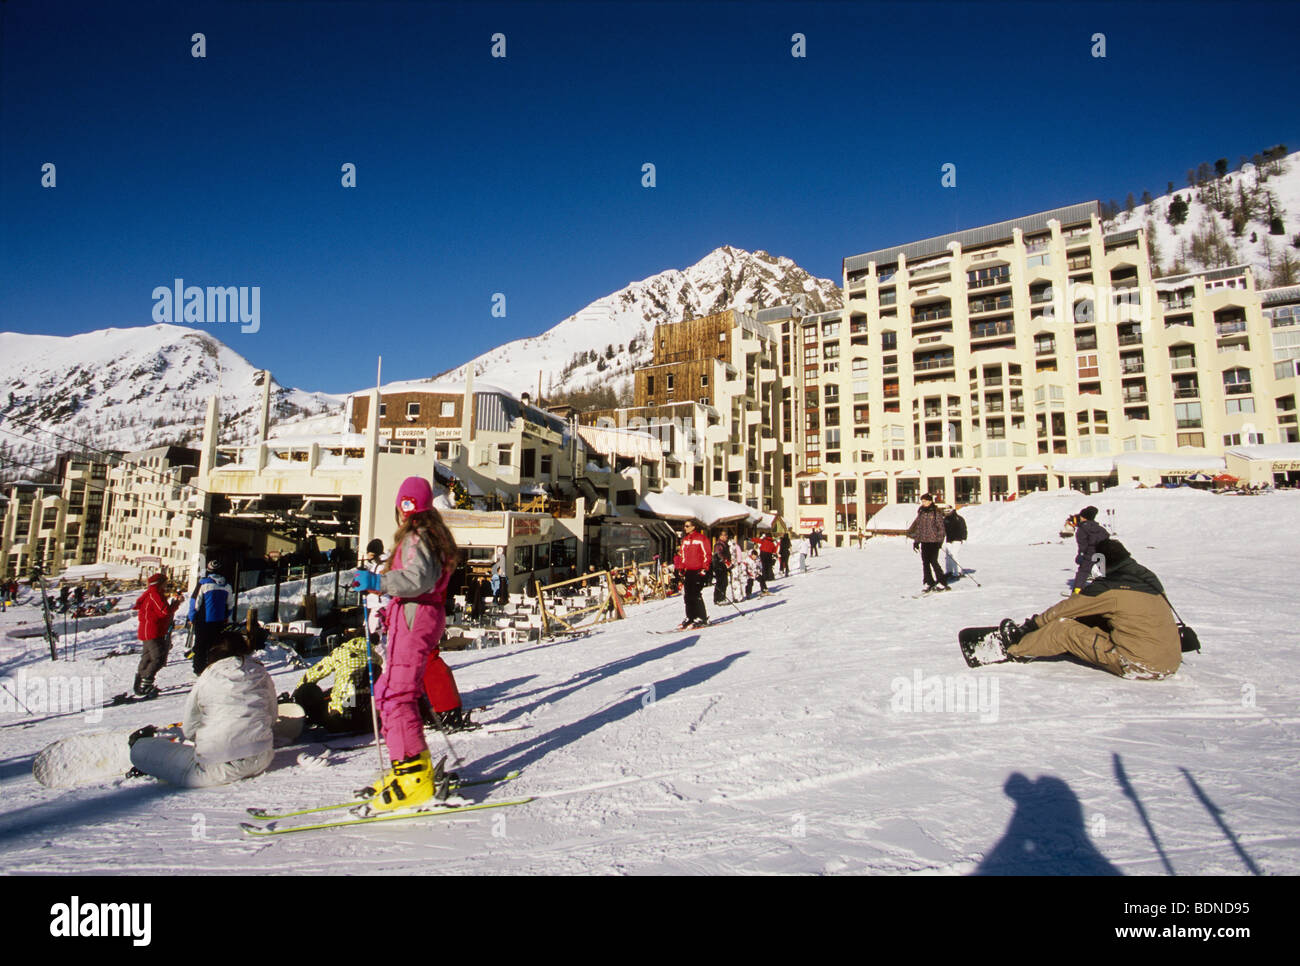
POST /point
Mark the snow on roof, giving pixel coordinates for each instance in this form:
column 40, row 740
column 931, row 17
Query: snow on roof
column 1171, row 461
column 709, row 510
column 628, row 443
column 1267, row 451
column 1083, row 464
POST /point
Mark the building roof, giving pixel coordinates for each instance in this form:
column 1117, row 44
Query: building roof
column 1214, row 274
column 1267, row 452
column 971, row 237
column 1280, row 296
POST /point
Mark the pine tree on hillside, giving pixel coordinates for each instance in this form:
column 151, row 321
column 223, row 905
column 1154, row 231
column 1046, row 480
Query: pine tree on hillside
column 1129, row 204
column 1146, row 197
column 1220, row 167
column 1286, row 270
column 1177, row 211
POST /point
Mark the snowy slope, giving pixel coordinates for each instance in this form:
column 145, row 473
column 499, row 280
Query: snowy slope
column 129, row 388
column 795, row 738
column 1278, row 188
column 607, row 328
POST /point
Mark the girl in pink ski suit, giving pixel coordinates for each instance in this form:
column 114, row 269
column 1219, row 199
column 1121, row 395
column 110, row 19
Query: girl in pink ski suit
column 424, row 554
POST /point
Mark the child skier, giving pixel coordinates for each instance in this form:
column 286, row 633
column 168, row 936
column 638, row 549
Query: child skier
column 416, row 576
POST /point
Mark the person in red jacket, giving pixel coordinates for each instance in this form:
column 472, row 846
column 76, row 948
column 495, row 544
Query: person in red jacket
column 155, row 615
column 767, row 556
column 692, row 563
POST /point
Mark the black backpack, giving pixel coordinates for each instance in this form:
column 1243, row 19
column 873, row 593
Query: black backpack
column 954, row 528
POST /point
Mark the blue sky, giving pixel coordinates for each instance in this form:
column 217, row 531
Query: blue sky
column 522, row 175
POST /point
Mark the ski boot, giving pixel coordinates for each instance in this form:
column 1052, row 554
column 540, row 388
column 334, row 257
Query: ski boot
column 378, row 783
column 408, row 784
column 1010, row 634
column 148, row 731
column 457, row 719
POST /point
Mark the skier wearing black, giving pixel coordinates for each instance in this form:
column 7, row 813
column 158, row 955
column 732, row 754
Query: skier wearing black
column 721, row 568
column 785, row 554
column 954, row 531
column 1088, row 536
column 927, row 536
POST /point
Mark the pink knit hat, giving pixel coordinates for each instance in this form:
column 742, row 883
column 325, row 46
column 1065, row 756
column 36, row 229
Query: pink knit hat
column 415, row 495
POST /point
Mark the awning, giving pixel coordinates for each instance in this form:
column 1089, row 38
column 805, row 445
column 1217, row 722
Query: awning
column 908, row 474
column 1032, row 468
column 966, row 471
column 877, row 475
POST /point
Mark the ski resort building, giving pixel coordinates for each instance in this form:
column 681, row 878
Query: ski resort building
column 519, row 477
column 708, row 396
column 151, row 509
column 1030, row 354
column 56, row 525
column 31, row 534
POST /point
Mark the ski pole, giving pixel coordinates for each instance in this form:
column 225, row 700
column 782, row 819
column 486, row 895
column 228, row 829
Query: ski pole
column 370, row 675
column 15, row 697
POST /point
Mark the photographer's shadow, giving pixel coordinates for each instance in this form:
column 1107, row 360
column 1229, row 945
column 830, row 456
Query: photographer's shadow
column 1046, row 834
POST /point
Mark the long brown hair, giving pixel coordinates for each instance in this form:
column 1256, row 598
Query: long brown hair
column 427, row 525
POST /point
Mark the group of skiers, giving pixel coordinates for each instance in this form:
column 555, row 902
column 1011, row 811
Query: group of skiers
column 699, row 560
column 1120, row 621
column 929, row 531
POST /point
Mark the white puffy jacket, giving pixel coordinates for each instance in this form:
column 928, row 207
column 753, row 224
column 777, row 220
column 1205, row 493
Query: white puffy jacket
column 231, row 711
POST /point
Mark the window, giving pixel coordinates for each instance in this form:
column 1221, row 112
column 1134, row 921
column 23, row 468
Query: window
column 1236, row 382
column 704, row 380
column 528, row 462
column 412, row 410
column 1088, row 365
column 383, row 410
column 1191, row 439
column 668, row 380
column 447, row 410
column 1246, row 405
column 650, row 385
column 504, row 455
column 1187, row 415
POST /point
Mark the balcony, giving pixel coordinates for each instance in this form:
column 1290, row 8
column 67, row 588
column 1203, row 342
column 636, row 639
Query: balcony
column 939, row 362
column 1087, row 344
column 1002, row 302
column 1222, row 329
column 932, row 315
column 1134, row 396
column 1182, row 362
column 1132, row 368
column 988, row 330
column 990, row 281
column 1045, row 348
column 1130, row 338
column 888, row 298
column 1237, row 389
column 1187, row 392
column 1075, row 264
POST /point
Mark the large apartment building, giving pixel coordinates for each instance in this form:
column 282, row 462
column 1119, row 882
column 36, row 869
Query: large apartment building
column 708, row 395
column 1030, row 354
column 152, row 509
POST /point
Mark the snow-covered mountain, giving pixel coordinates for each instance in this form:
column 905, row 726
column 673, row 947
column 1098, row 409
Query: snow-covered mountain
column 1228, row 222
column 127, row 388
column 603, row 343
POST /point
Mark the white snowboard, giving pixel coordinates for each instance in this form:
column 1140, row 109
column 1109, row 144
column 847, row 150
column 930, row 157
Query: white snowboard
column 84, row 759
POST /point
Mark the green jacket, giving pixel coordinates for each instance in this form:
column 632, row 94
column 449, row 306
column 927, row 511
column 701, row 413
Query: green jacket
column 347, row 663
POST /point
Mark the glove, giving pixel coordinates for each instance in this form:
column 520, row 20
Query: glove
column 148, row 731
column 916, row 546
column 1078, row 590
column 365, row 581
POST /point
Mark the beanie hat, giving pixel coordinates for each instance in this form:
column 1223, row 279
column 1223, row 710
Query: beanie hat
column 1114, row 552
column 157, row 578
column 375, row 546
column 415, row 495
column 1088, row 513
column 214, row 566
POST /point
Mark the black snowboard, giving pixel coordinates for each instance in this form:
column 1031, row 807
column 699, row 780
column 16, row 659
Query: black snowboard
column 969, row 638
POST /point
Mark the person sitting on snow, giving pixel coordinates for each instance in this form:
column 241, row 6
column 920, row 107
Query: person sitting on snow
column 229, row 719
column 344, row 708
column 1120, row 622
